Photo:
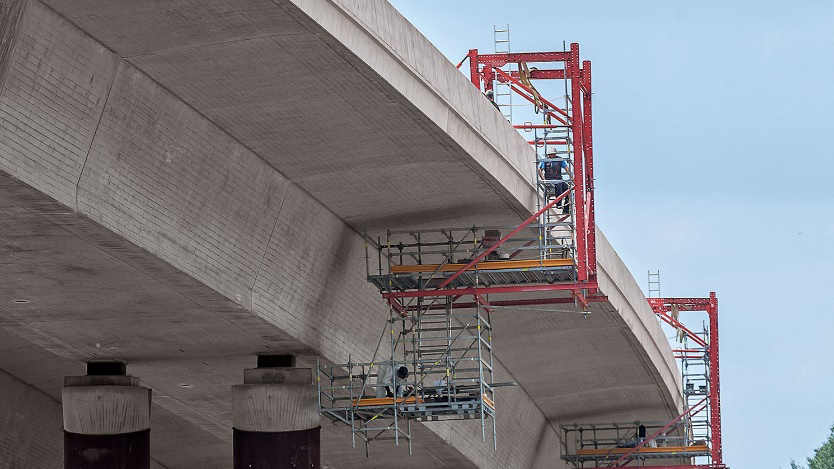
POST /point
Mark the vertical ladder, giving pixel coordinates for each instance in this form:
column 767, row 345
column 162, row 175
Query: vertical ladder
column 654, row 284
column 503, row 92
column 695, row 379
column 557, row 233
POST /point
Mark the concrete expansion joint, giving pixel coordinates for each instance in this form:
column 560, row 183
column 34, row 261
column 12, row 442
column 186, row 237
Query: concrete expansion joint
column 95, row 132
column 268, row 243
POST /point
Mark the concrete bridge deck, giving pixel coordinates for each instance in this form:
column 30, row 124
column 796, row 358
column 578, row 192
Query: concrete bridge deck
column 183, row 185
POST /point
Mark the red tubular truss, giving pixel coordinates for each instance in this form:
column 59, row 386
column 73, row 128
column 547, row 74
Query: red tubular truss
column 661, row 307
column 582, row 292
column 484, row 70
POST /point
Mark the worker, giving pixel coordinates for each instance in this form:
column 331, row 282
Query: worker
column 390, row 381
column 551, row 173
column 491, row 238
column 490, row 95
column 634, row 441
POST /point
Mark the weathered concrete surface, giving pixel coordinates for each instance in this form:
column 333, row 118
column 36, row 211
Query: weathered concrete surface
column 32, row 434
column 214, row 161
column 89, row 294
column 344, row 102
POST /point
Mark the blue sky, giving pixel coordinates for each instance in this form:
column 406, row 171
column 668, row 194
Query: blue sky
column 713, row 155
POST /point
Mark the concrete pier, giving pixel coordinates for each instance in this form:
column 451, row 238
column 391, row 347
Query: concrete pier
column 106, row 420
column 276, row 418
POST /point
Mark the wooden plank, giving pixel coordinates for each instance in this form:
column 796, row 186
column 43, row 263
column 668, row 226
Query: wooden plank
column 374, row 401
column 665, row 449
column 486, row 265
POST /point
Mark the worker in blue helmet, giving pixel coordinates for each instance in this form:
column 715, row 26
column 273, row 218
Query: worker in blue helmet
column 553, row 172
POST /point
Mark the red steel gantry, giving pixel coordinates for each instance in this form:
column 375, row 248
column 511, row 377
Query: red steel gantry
column 687, row 437
column 577, row 116
column 575, row 119
column 423, row 271
column 663, row 307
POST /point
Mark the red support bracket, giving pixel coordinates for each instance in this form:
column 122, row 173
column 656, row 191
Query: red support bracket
column 516, row 82
column 661, row 306
column 674, row 323
column 486, row 68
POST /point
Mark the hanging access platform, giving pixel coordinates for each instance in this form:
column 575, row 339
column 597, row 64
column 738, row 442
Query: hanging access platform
column 692, row 440
column 434, row 359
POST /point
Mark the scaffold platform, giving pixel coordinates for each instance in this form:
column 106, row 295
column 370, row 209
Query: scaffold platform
column 439, row 367
column 530, row 263
column 693, row 438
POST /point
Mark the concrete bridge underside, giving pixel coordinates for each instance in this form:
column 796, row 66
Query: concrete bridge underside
column 182, row 186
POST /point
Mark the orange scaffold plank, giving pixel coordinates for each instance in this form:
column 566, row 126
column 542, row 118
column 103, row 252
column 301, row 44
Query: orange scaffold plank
column 378, row 401
column 489, row 402
column 486, row 265
column 662, row 450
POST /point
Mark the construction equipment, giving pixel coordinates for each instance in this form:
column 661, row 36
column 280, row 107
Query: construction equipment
column 695, row 434
column 442, row 285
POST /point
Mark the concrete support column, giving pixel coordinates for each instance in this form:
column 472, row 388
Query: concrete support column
column 107, row 419
column 276, row 418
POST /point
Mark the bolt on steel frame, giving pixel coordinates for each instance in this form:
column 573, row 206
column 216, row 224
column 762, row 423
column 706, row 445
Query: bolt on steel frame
column 690, row 434
column 441, row 285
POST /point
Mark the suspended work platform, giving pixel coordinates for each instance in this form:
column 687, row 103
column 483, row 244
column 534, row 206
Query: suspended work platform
column 693, row 438
column 407, row 261
column 434, row 358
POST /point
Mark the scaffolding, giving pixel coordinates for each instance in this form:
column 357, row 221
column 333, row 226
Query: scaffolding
column 440, row 369
column 693, row 438
column 434, row 359
column 564, row 137
column 604, row 443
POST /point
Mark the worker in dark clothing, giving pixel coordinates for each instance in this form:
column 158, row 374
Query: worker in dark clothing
column 552, row 173
column 490, row 95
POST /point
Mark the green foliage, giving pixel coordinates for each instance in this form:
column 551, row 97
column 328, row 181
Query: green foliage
column 823, row 456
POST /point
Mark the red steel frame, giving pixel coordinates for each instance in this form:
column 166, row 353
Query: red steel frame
column 486, row 69
column 662, row 307
column 583, row 292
